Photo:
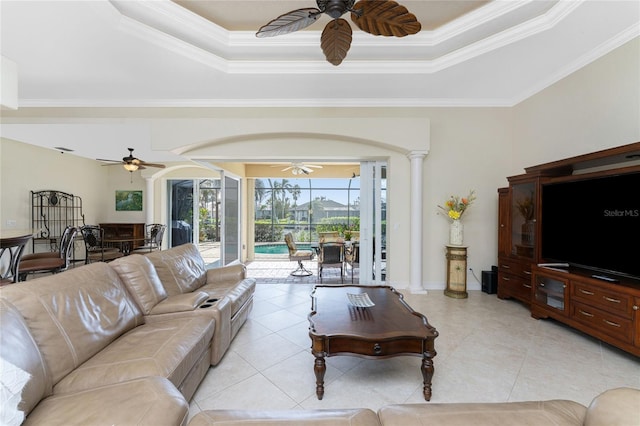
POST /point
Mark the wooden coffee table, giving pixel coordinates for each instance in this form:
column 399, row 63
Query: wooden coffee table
column 390, row 328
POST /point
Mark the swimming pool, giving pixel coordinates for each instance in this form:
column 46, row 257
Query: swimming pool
column 278, row 248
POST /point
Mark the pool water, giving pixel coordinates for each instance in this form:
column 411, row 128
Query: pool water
column 278, row 248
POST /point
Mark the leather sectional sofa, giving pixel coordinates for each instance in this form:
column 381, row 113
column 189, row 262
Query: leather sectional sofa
column 615, row 407
column 118, row 343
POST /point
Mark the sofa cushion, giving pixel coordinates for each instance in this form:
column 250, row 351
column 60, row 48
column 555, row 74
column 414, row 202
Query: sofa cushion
column 165, row 348
column 614, row 407
column 74, row 315
column 530, row 413
column 140, row 277
column 18, row 348
column 346, row 417
column 180, row 269
column 148, row 401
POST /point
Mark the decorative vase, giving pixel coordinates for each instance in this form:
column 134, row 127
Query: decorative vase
column 528, row 232
column 455, row 233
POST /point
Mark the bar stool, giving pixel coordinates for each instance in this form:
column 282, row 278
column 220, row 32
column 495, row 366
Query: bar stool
column 11, row 249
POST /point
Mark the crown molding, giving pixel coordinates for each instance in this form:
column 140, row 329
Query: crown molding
column 168, row 25
column 261, row 103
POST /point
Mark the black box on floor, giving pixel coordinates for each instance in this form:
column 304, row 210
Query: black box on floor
column 490, row 281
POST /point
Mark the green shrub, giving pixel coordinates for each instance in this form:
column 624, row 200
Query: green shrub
column 266, row 232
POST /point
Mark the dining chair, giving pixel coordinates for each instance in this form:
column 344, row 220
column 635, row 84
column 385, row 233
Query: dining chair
column 331, row 255
column 53, row 261
column 11, row 249
column 153, row 240
column 299, row 256
column 95, row 250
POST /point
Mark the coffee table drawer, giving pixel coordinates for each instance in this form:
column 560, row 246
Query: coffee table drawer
column 374, row 348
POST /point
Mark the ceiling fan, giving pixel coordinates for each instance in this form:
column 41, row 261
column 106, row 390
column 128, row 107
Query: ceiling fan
column 377, row 17
column 131, row 163
column 301, row 168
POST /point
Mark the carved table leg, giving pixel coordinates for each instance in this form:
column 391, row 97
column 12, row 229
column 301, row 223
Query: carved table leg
column 427, row 375
column 319, row 368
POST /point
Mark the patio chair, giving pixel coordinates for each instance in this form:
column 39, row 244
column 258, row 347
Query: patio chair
column 331, row 255
column 352, row 257
column 299, row 256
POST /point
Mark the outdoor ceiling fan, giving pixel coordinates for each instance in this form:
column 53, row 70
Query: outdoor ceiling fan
column 377, row 17
column 131, row 163
column 298, row 168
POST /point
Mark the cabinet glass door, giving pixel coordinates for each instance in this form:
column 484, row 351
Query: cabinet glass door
column 523, row 224
column 550, row 292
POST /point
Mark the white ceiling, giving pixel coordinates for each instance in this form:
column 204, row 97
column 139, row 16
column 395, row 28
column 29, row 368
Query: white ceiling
column 124, row 53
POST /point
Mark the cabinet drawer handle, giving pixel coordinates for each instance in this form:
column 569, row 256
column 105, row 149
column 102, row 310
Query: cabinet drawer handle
column 377, row 349
column 613, row 324
column 589, row 293
column 527, row 285
column 540, row 284
column 505, row 279
column 506, row 266
column 586, row 314
column 609, row 299
column 527, row 272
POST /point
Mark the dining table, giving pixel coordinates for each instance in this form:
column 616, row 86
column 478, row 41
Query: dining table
column 125, row 244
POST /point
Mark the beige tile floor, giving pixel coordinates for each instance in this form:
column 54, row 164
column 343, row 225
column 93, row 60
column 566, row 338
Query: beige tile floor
column 488, row 350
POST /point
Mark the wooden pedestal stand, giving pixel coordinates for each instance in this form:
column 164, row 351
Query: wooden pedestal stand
column 456, row 272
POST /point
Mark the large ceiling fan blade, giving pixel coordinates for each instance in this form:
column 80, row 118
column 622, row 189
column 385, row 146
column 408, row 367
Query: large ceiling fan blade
column 144, row 163
column 336, row 40
column 384, row 17
column 115, row 162
column 290, row 22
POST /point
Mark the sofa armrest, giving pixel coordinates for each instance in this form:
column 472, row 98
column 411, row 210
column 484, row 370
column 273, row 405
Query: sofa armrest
column 615, row 407
column 227, row 274
column 180, row 303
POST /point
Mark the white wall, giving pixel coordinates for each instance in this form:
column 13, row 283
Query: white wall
column 26, row 168
column 595, row 108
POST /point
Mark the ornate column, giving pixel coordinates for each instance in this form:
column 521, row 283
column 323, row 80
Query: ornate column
column 415, row 260
column 148, row 201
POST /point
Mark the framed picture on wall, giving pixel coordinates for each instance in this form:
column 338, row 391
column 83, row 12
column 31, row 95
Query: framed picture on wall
column 129, row 201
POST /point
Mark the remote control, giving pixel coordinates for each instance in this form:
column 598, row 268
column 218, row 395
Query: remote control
column 605, row 278
column 556, row 265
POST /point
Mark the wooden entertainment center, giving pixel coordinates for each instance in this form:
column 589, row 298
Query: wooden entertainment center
column 609, row 311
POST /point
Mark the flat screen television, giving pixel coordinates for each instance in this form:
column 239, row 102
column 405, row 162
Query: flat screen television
column 593, row 223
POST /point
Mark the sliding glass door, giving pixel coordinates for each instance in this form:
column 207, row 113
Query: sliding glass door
column 231, row 212
column 207, row 213
column 373, row 221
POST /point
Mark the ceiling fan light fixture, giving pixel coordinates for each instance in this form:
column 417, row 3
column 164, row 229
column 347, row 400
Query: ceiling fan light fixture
column 130, row 167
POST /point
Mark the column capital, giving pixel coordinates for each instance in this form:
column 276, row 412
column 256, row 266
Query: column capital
column 417, row 154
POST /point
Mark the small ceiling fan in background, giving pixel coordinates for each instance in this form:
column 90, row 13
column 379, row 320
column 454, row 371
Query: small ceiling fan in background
column 377, row 17
column 298, row 168
column 131, row 163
